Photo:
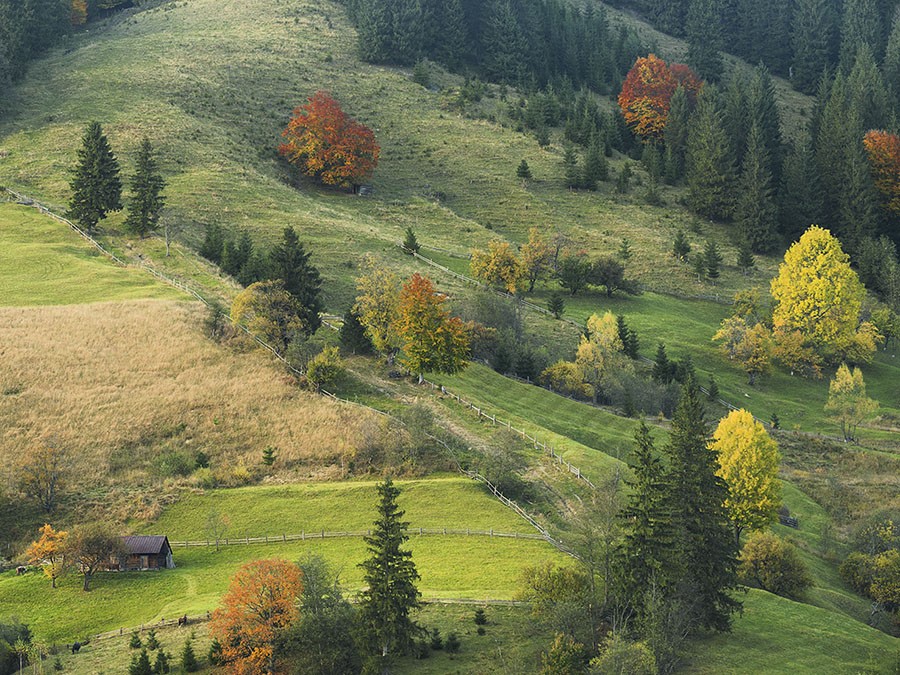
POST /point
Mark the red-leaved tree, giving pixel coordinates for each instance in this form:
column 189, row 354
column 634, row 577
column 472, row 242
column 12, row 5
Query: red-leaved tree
column 647, row 94
column 260, row 603
column 884, row 158
column 327, row 144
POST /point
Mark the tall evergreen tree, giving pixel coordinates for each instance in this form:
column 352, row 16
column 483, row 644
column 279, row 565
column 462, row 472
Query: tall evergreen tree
column 702, row 526
column 800, row 197
column 596, row 168
column 375, row 30
column 858, row 206
column 831, row 146
column 502, row 43
column 813, row 35
column 891, row 65
column 146, row 193
column 95, row 184
column 861, row 25
column 755, row 214
column 704, row 36
column 669, row 15
column 745, row 261
column 573, row 174
column 869, row 98
column 736, row 117
column 390, row 578
column 353, row 334
column 712, row 259
column 648, row 554
column 662, row 371
column 710, row 170
column 676, row 134
column 290, row 263
column 764, row 112
column 408, row 31
column 454, row 37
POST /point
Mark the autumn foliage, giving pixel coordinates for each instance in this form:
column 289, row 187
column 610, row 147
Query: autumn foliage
column 260, row 603
column 49, row 553
column 79, row 12
column 884, row 157
column 647, row 93
column 328, row 145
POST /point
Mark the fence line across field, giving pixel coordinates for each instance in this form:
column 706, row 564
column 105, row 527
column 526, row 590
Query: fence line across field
column 324, row 534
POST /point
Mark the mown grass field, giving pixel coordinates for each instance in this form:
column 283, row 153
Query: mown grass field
column 450, row 565
column 43, row 262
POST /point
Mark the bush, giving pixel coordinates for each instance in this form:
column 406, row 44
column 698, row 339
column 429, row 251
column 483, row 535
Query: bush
column 774, row 565
column 135, row 641
column 325, row 368
column 436, row 642
column 480, row 618
column 856, row 570
column 621, row 657
column 152, row 642
column 175, row 463
column 452, row 644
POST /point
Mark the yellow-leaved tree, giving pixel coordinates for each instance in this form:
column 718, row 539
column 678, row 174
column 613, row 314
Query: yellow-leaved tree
column 378, row 306
column 537, row 258
column 847, row 403
column 270, row 312
column 49, row 553
column 818, row 294
column 497, row 266
column 596, row 352
column 748, row 463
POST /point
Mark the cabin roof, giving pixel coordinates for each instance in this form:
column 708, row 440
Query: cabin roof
column 146, row 544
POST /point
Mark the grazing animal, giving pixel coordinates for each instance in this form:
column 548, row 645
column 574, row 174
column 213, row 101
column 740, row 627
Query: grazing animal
column 20, row 570
column 76, row 647
column 182, row 621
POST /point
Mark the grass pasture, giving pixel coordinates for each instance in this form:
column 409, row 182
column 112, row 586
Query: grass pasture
column 43, row 262
column 450, row 565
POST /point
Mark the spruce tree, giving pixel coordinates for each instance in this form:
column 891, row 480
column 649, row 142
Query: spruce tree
column 800, row 198
column 652, row 162
column 891, row 65
column 698, row 266
column 454, row 36
column 712, row 259
column 764, row 112
column 410, row 243
column 869, row 99
column 375, row 30
column 861, row 25
column 140, row 665
column 161, row 666
column 736, row 117
column 710, row 170
column 680, row 245
column 813, row 35
column 704, row 36
column 745, row 259
column 290, row 263
column 596, row 168
column 713, row 389
column 832, row 138
column 756, row 212
column 702, row 526
column 676, row 135
column 648, row 554
column 573, row 175
column 858, row 213
column 523, row 171
column 213, row 243
column 95, row 184
column 502, row 42
column 353, row 336
column 188, row 658
column 661, row 369
column 390, row 580
column 146, row 194
column 408, row 31
column 556, row 304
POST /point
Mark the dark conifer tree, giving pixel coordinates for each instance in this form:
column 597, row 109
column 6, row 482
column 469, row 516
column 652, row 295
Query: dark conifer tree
column 712, row 259
column 870, row 102
column 375, row 30
column 858, row 207
column 290, row 263
column 503, row 43
column 736, row 117
column 390, row 578
column 573, row 174
column 408, row 31
column 146, row 194
column 669, row 15
column 763, row 110
column 95, row 184
column 454, row 37
column 676, row 135
column 648, row 555
column 596, row 168
column 230, row 263
column 710, row 169
column 704, row 36
column 745, row 259
column 861, row 25
column 255, row 269
column 410, row 243
column 702, row 527
column 800, row 197
column 213, row 243
column 353, row 335
column 891, row 66
column 523, row 171
column 662, row 371
column 832, row 139
column 244, row 250
column 814, row 31
column 680, row 245
column 756, row 213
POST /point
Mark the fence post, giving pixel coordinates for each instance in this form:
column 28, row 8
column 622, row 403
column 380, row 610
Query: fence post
column 248, row 539
column 267, row 540
column 303, row 535
column 283, row 537
column 323, row 533
column 492, row 531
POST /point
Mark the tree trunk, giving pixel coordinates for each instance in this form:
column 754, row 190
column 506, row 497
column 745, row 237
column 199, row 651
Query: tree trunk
column 52, row 582
column 421, row 378
column 87, row 581
column 737, row 536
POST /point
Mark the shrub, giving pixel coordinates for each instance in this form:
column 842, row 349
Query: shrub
column 856, row 570
column 436, row 641
column 152, row 642
column 188, row 658
column 480, row 630
column 452, row 644
column 480, row 618
column 325, row 368
column 621, row 657
column 241, row 474
column 774, row 565
column 175, row 463
column 135, row 641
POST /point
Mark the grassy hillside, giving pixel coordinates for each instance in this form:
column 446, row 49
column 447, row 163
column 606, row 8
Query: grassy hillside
column 217, row 95
column 42, row 262
column 451, row 565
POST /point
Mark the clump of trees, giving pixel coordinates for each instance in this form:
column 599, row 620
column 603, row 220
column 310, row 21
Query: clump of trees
column 326, row 144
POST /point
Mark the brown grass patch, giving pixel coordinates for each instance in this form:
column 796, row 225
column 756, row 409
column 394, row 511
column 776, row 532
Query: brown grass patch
column 120, row 384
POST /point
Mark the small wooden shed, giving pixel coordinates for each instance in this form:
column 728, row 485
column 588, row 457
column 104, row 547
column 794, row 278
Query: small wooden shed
column 145, row 552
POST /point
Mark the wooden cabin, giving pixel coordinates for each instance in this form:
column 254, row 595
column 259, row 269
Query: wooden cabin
column 144, row 552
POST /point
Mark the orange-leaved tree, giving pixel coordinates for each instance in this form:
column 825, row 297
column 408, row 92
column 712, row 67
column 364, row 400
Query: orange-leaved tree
column 327, row 144
column 647, row 94
column 79, row 12
column 884, row 158
column 260, row 603
column 49, row 553
column 433, row 341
